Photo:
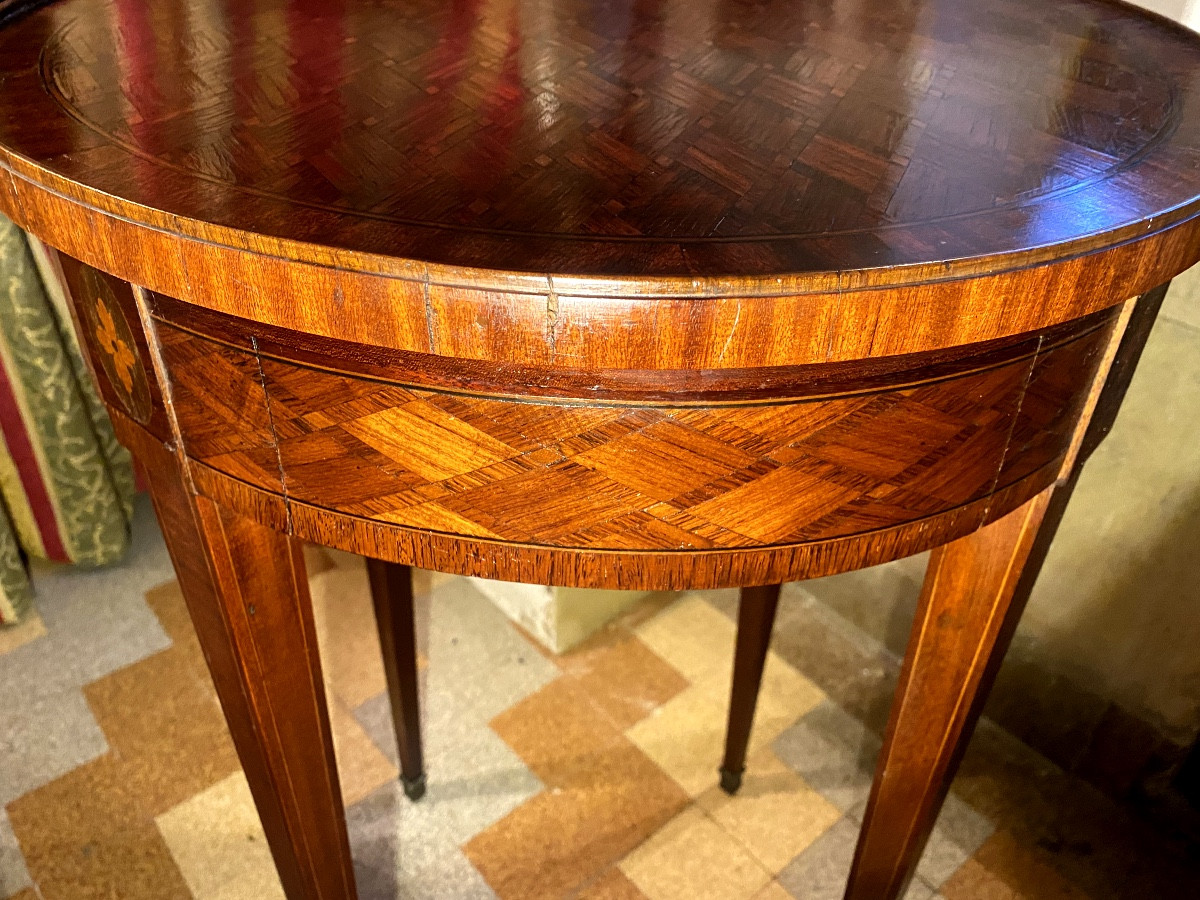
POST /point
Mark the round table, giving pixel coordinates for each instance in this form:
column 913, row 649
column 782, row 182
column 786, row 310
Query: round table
column 651, row 294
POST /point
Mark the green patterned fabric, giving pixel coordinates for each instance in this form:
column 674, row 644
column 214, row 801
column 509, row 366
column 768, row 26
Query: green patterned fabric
column 65, row 483
column 14, row 581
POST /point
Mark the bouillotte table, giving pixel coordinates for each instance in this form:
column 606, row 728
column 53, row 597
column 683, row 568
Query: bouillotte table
column 651, row 294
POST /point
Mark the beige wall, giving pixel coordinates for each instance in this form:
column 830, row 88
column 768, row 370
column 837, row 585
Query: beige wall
column 1118, row 605
column 560, row 618
column 1178, row 10
column 1115, row 617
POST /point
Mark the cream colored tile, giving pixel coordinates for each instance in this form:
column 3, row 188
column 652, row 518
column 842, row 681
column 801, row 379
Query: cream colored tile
column 346, row 632
column 258, row 884
column 773, row 891
column 362, row 766
column 775, row 815
column 218, row 843
column 698, row 640
column 784, row 696
column 685, row 737
column 691, row 858
column 693, row 636
column 30, row 628
column 621, row 676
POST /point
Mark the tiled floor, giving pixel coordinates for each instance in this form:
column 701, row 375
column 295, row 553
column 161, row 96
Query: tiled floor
column 591, row 775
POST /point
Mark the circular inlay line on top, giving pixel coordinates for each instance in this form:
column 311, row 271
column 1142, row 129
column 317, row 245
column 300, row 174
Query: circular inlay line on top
column 845, row 162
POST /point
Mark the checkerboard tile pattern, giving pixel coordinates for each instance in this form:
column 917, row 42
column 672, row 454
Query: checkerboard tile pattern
column 591, row 775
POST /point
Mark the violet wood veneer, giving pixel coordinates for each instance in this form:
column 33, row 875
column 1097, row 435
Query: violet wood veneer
column 631, row 294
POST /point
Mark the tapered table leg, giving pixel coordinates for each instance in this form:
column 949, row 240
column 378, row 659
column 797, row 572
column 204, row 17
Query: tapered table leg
column 964, row 623
column 756, row 617
column 247, row 594
column 391, row 591
column 954, row 653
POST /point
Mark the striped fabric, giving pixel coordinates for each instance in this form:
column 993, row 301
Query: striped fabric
column 65, row 484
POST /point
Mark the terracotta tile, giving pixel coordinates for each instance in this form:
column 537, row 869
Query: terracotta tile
column 91, row 831
column 183, row 747
column 692, row 858
column 166, row 600
column 561, row 839
column 612, row 885
column 362, row 766
column 217, row 841
column 1003, row 869
column 169, row 607
column 30, row 628
column 974, row 881
column 607, row 635
column 557, row 733
column 1095, row 843
column 87, row 835
column 622, row 676
column 774, row 816
column 604, row 798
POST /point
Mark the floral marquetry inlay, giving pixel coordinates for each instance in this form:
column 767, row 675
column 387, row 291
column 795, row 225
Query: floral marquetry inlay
column 117, row 351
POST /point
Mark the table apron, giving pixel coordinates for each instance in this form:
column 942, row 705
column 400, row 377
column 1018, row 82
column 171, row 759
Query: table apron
column 588, row 492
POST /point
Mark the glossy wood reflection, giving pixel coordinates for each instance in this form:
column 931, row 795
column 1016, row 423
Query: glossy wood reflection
column 651, row 294
column 640, row 137
column 543, row 184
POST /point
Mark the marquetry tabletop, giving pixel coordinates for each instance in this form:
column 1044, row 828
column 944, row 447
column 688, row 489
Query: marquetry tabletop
column 653, row 294
column 619, row 149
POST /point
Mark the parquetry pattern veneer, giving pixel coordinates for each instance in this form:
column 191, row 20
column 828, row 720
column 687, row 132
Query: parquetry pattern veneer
column 622, row 477
column 613, row 294
column 444, row 139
